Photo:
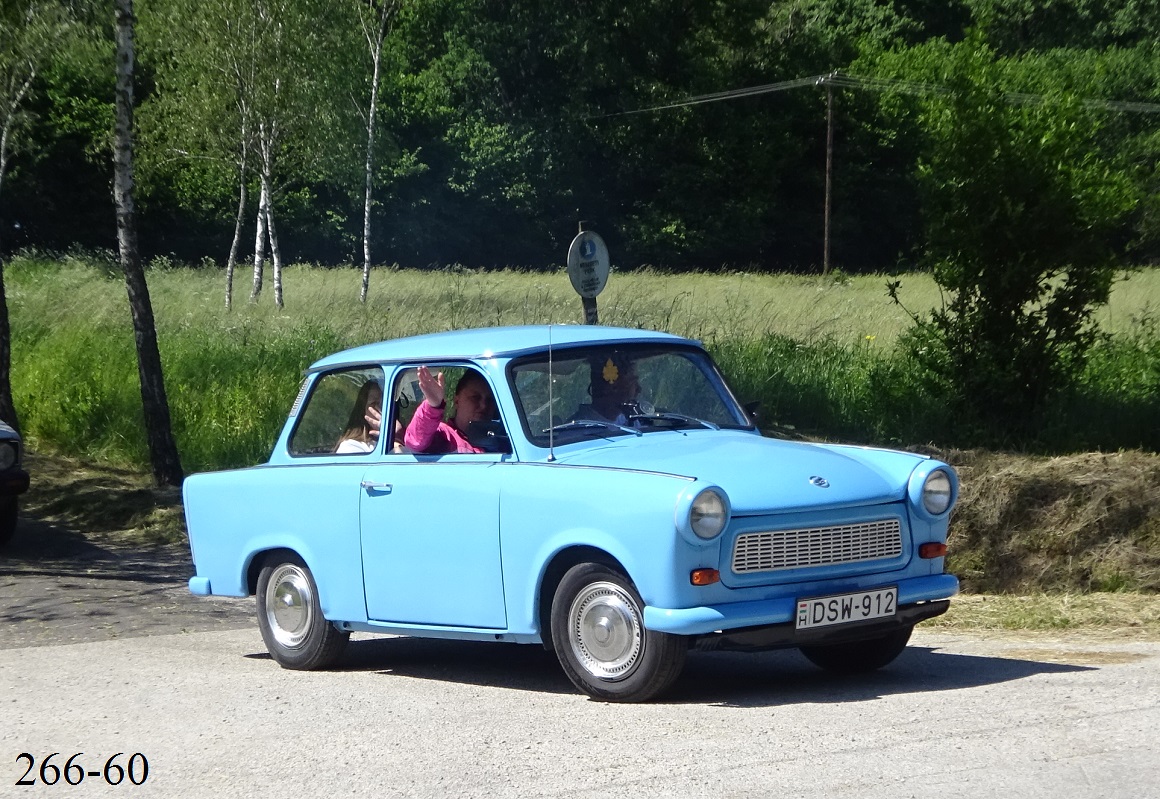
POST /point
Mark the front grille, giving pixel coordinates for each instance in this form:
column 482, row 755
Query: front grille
column 819, row 546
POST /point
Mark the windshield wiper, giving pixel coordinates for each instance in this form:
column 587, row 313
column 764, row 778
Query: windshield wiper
column 572, row 425
column 674, row 417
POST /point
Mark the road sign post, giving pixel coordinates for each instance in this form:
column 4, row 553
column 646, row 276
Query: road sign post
column 588, row 270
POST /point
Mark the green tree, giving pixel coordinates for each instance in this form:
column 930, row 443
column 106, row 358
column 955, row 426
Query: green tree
column 376, row 17
column 250, row 94
column 198, row 124
column 159, row 431
column 29, row 32
column 1020, row 210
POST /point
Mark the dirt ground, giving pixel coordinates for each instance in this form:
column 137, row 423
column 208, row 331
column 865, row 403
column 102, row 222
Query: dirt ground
column 60, row 587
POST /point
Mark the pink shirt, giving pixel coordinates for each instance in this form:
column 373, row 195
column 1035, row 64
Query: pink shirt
column 429, row 434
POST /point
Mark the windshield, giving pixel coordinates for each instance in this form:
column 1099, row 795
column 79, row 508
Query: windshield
column 604, row 391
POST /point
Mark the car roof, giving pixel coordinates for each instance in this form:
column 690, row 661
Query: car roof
column 491, row 342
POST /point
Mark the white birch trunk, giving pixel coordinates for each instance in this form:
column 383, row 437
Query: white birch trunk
column 275, row 249
column 9, row 118
column 232, row 261
column 378, row 58
column 260, row 242
column 4, row 151
column 386, row 15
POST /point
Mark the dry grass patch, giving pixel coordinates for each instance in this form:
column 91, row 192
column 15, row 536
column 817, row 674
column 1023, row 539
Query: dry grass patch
column 107, row 502
column 1088, row 522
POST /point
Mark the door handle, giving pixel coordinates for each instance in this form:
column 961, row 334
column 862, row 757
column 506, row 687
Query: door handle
column 376, row 488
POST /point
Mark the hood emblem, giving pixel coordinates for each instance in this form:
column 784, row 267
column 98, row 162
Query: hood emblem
column 820, row 482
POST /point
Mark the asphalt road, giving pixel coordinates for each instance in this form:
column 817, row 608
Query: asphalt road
column 139, row 666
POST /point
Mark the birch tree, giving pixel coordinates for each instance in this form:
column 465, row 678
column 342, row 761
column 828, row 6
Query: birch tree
column 292, row 111
column 202, row 114
column 158, row 429
column 377, row 17
column 247, row 83
column 29, row 31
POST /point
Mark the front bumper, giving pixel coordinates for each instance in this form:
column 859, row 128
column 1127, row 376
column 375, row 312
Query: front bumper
column 778, row 636
column 782, row 610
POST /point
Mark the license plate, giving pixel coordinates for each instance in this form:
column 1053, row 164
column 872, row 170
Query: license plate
column 824, row 611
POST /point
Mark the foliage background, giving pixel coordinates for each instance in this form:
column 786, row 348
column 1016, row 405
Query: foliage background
column 504, row 123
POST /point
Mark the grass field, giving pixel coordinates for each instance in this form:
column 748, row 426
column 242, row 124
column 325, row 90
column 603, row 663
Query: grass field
column 850, row 310
column 819, row 354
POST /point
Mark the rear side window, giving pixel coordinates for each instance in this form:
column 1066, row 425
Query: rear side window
column 333, row 419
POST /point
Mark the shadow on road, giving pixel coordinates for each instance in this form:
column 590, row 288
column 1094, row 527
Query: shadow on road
column 48, row 550
column 786, row 677
column 726, row 679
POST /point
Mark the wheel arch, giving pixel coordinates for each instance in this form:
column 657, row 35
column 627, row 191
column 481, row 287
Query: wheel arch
column 557, row 567
column 260, row 558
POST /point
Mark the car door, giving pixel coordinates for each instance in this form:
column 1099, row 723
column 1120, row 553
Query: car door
column 430, row 541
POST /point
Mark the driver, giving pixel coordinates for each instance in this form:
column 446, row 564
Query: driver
column 614, row 388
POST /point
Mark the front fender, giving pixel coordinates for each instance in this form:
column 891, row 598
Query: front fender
column 550, row 508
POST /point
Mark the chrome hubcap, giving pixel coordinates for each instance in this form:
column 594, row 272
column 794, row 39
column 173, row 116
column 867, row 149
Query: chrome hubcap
column 605, row 631
column 289, row 605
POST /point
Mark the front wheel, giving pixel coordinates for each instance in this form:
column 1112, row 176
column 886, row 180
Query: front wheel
column 296, row 633
column 600, row 638
column 858, row 657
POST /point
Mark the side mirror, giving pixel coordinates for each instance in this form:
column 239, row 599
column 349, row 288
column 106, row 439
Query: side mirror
column 489, row 436
column 753, row 408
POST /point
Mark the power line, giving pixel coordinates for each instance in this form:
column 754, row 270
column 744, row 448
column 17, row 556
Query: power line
column 872, row 84
column 732, row 94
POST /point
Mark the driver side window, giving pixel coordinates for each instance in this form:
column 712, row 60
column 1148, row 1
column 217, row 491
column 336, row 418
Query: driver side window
column 466, row 422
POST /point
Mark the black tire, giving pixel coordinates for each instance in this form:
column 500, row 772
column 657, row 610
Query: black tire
column 8, row 515
column 859, row 657
column 296, row 633
column 599, row 636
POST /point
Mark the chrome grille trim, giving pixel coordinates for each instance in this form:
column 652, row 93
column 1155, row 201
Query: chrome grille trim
column 819, row 546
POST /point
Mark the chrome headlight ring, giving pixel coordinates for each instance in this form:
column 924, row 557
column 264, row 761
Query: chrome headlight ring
column 933, row 490
column 703, row 513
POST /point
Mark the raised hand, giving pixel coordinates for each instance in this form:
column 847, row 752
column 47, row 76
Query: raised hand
column 431, row 386
column 374, row 420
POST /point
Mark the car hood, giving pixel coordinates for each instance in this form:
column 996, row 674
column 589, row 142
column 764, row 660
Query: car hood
column 761, row 474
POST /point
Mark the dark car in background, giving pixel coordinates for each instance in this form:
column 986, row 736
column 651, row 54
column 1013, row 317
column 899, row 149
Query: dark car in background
column 13, row 480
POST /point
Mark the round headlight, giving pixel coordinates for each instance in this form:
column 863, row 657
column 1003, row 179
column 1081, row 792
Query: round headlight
column 936, row 492
column 708, row 514
column 7, row 456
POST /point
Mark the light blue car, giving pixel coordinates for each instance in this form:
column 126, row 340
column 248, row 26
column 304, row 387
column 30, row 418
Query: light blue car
column 617, row 505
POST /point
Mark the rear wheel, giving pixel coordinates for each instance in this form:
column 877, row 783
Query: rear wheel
column 857, row 657
column 599, row 635
column 296, row 633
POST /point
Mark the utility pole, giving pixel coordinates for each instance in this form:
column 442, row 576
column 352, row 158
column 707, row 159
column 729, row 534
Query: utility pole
column 829, row 170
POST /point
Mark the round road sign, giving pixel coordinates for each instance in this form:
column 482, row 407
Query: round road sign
column 588, row 264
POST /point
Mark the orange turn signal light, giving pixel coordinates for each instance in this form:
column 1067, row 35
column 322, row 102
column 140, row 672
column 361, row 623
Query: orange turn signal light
column 704, row 576
column 932, row 550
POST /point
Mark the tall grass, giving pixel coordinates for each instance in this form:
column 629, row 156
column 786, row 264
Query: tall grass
column 819, row 354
